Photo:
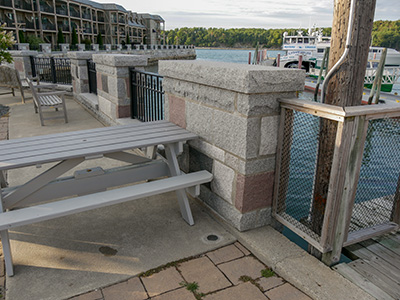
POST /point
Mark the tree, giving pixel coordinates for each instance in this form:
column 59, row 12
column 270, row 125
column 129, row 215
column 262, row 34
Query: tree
column 60, row 37
column 99, row 39
column 21, row 37
column 6, row 41
column 34, row 41
column 74, row 38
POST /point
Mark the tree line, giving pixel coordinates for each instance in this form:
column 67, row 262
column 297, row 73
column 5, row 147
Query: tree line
column 384, row 34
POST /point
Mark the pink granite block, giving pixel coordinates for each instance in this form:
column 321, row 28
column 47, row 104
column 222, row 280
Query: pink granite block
column 124, row 111
column 177, row 111
column 254, row 191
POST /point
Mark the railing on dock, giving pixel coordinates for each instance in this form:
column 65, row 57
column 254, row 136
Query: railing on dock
column 364, row 183
column 147, row 96
column 92, row 76
column 50, row 69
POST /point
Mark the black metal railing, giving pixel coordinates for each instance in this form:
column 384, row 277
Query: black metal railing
column 147, row 96
column 92, row 76
column 55, row 70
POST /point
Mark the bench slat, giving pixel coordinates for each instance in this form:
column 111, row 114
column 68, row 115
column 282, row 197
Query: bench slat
column 62, row 208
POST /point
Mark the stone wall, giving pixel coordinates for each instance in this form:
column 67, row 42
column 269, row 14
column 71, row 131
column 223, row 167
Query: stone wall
column 234, row 110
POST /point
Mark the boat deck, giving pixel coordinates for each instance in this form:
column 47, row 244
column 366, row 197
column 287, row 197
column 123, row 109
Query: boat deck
column 375, row 266
column 388, row 98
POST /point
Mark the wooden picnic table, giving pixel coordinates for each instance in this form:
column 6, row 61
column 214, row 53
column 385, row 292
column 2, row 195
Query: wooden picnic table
column 30, row 201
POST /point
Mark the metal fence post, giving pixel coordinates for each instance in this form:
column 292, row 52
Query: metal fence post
column 53, row 70
column 33, row 66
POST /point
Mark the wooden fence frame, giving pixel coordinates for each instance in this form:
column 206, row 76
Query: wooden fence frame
column 349, row 147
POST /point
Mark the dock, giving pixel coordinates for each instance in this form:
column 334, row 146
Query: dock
column 375, row 267
column 385, row 97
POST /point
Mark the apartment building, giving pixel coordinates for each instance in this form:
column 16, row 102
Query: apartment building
column 44, row 18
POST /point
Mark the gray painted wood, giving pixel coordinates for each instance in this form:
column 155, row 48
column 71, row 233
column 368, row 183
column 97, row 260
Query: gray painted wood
column 62, row 208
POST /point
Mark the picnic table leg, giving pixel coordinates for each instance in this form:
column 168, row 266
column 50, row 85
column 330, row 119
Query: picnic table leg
column 3, row 181
column 5, row 240
column 171, row 151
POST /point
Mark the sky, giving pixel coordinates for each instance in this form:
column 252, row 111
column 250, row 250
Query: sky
column 248, row 13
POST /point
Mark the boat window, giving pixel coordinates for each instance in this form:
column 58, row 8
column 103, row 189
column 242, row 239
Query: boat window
column 287, row 40
column 300, row 40
column 320, row 50
column 312, row 41
column 305, row 40
column 375, row 50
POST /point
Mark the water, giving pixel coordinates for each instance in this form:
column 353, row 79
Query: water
column 228, row 55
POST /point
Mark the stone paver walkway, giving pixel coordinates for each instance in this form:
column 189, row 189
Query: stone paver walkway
column 231, row 272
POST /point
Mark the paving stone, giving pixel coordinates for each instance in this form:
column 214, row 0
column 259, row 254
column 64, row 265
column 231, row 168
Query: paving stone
column 127, row 290
column 286, row 292
column 225, row 254
column 162, row 282
column 205, row 273
column 242, row 291
column 270, row 282
column 242, row 248
column 181, row 294
column 94, row 295
column 247, row 266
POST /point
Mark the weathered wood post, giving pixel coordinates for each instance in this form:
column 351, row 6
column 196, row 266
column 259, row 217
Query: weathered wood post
column 344, row 89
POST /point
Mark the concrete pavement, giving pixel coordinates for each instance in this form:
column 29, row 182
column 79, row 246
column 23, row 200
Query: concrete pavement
column 98, row 254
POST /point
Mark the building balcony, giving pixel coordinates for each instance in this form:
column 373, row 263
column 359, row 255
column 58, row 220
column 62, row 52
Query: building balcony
column 74, row 13
column 48, row 26
column 7, row 3
column 86, row 16
column 100, row 19
column 29, row 25
column 23, row 5
column 46, row 8
column 87, row 30
column 9, row 23
column 61, row 11
column 64, row 27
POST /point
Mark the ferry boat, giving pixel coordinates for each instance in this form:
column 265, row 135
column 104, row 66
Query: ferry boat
column 312, row 48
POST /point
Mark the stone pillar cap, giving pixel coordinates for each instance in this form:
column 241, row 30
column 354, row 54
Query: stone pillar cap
column 243, row 78
column 121, row 60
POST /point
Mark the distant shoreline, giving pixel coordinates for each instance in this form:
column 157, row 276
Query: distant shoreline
column 227, row 48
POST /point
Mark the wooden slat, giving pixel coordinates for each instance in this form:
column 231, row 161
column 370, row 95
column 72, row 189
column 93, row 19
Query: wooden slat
column 367, row 233
column 17, row 163
column 362, row 282
column 382, row 252
column 389, row 243
column 380, row 280
column 62, row 208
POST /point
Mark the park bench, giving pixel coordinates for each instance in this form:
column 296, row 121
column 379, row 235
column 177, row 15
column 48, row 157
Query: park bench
column 30, row 202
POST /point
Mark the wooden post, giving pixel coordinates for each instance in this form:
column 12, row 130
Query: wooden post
column 278, row 60
column 300, row 61
column 249, row 58
column 395, row 217
column 344, row 89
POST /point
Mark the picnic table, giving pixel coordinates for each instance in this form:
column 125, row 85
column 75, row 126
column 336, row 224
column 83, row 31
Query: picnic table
column 89, row 188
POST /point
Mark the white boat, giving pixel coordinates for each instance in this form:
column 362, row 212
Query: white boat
column 312, row 47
